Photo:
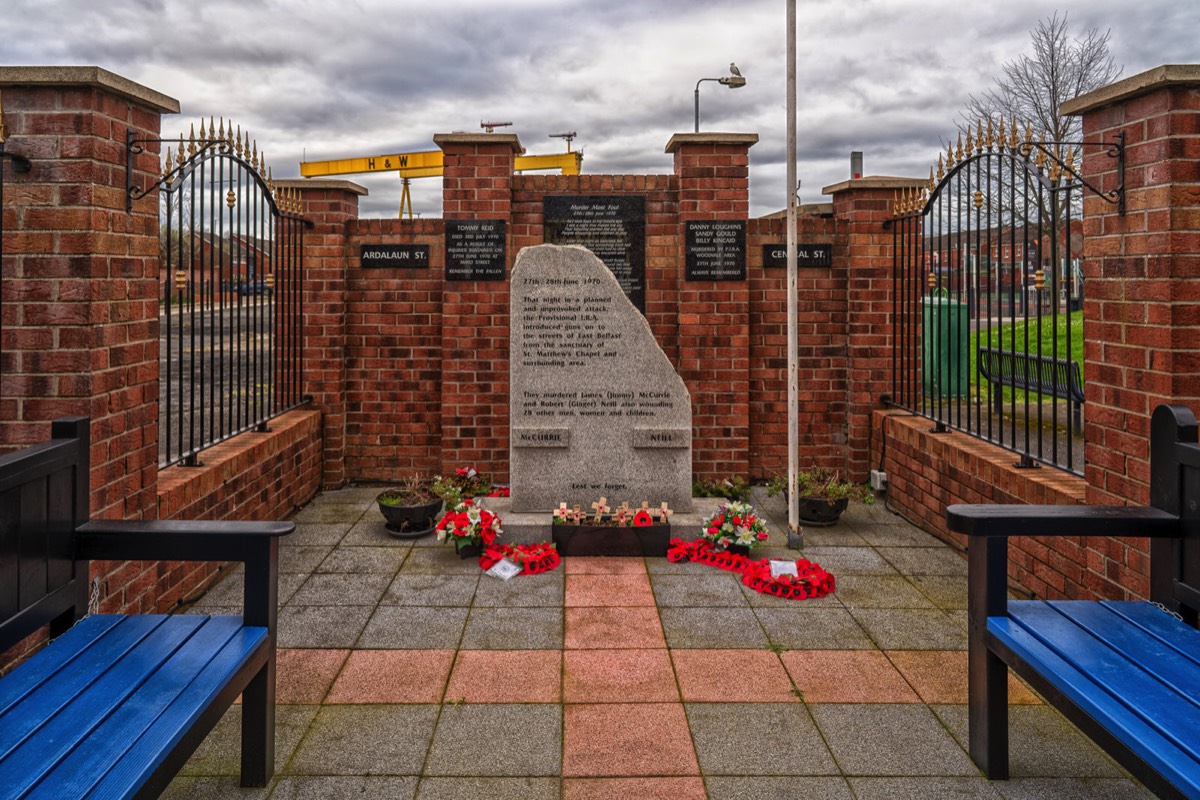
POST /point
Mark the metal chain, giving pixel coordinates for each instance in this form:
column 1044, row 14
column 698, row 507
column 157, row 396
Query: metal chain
column 1166, row 610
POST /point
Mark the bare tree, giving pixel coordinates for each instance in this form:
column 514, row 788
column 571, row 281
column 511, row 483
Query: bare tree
column 1035, row 86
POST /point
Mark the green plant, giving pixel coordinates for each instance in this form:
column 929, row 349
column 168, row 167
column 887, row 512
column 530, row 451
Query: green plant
column 463, row 484
column 413, row 490
column 823, row 482
column 736, row 488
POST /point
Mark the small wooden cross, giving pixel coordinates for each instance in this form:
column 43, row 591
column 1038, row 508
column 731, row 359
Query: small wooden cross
column 665, row 513
column 645, row 507
column 623, row 513
column 601, row 508
column 577, row 514
column 562, row 511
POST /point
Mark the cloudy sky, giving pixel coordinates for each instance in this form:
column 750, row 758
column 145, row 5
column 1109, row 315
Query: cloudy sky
column 321, row 79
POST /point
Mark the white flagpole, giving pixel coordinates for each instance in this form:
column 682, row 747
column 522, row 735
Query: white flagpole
column 793, row 342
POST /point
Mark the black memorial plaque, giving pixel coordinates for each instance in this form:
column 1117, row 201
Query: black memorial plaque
column 807, row 255
column 611, row 226
column 715, row 250
column 394, row 255
column 475, row 250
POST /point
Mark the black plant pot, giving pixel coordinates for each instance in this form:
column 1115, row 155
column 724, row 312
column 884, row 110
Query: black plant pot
column 821, row 512
column 410, row 522
column 738, row 549
column 466, row 551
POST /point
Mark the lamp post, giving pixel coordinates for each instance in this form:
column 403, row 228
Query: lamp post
column 734, row 81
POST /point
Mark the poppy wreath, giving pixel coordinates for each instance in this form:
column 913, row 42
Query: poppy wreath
column 531, row 558
column 811, row 579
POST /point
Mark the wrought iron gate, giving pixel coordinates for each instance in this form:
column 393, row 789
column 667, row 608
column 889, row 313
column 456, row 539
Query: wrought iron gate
column 987, row 292
column 230, row 246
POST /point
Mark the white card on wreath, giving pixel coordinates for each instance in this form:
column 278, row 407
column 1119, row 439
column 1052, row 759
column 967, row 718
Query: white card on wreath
column 506, row 568
column 783, row 568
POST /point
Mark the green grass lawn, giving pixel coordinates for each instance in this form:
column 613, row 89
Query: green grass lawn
column 1025, row 337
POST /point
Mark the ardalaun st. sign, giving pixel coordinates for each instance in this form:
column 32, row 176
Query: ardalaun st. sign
column 394, row 255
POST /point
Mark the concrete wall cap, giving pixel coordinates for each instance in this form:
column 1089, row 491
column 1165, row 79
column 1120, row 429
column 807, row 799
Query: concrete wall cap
column 1133, row 86
column 443, row 139
column 322, row 183
column 89, row 76
column 680, row 139
column 875, row 182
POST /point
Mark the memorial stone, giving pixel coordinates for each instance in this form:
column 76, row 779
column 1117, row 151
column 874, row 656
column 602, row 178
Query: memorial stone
column 596, row 408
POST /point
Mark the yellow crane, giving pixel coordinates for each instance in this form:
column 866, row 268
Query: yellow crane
column 428, row 164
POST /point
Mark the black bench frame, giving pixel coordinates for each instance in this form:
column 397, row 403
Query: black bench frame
column 1171, row 522
column 46, row 542
column 1056, row 377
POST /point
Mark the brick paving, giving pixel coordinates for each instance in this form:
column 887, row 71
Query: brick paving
column 406, row 673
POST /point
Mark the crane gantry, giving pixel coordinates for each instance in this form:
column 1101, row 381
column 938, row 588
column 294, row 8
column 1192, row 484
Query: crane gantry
column 429, row 163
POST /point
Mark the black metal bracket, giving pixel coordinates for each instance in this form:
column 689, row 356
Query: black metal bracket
column 1026, row 462
column 20, row 164
column 1115, row 149
column 134, row 145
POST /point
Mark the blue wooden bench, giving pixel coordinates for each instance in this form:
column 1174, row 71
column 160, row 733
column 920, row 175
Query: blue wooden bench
column 1127, row 673
column 116, row 703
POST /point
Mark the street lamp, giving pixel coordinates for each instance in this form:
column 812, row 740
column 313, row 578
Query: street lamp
column 734, row 81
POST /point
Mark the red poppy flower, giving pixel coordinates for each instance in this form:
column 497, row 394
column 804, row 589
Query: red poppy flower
column 641, row 519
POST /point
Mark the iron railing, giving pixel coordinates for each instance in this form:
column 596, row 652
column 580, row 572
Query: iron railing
column 988, row 257
column 230, row 245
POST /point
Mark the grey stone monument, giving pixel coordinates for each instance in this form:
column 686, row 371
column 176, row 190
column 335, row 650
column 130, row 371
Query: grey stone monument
column 596, row 408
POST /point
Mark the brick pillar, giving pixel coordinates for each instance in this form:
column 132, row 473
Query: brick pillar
column 80, row 312
column 477, row 184
column 713, row 171
column 1141, row 271
column 865, row 204
column 330, row 205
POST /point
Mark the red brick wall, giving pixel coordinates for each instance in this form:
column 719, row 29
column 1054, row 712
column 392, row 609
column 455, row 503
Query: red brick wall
column 821, row 322
column 477, row 184
column 714, row 316
column 406, row 373
column 80, row 313
column 393, row 355
column 1141, row 281
column 928, row 471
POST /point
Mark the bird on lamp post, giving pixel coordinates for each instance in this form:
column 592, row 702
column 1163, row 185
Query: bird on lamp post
column 734, row 80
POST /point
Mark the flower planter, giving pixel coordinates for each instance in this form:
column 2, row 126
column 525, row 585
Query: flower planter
column 409, row 522
column 586, row 539
column 820, row 512
column 468, row 550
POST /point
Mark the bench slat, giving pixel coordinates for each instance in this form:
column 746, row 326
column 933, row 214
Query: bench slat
column 1157, row 653
column 35, row 671
column 1161, row 753
column 124, row 751
column 67, row 678
column 56, row 716
column 1114, row 670
column 1164, row 626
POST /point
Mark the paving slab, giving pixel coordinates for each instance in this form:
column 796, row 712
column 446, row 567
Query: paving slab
column 890, row 740
column 771, row 739
column 712, row 628
column 513, row 629
column 490, row 788
column 366, row 740
column 521, row 741
column 413, row 628
column 774, row 788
